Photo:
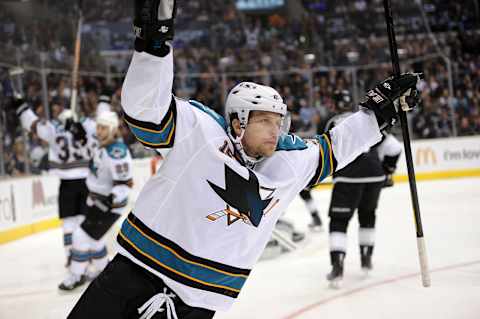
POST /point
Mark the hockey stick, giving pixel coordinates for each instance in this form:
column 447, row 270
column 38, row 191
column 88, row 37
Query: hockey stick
column 76, row 62
column 15, row 75
column 283, row 240
column 422, row 253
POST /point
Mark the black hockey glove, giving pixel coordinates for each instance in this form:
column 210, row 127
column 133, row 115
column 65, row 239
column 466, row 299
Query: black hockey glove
column 388, row 181
column 391, row 96
column 153, row 25
column 390, row 164
column 78, row 131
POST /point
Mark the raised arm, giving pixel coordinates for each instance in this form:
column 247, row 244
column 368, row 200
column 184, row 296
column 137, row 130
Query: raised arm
column 362, row 130
column 30, row 122
column 147, row 99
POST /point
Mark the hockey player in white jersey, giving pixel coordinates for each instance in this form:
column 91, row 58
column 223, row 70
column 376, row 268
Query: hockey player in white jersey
column 109, row 182
column 200, row 224
column 69, row 145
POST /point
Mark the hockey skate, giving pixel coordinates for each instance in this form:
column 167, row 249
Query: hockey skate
column 366, row 259
column 336, row 275
column 366, row 262
column 316, row 224
column 72, row 282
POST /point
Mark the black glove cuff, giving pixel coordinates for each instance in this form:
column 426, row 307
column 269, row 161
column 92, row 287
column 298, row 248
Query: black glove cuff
column 159, row 49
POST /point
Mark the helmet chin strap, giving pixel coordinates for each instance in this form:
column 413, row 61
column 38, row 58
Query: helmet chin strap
column 237, row 143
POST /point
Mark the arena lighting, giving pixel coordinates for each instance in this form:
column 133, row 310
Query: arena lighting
column 309, row 58
column 352, row 56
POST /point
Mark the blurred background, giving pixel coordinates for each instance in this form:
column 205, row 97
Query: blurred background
column 305, row 49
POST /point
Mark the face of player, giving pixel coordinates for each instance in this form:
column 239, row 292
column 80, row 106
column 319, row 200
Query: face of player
column 103, row 135
column 261, row 134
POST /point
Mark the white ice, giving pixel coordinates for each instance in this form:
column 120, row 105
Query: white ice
column 293, row 285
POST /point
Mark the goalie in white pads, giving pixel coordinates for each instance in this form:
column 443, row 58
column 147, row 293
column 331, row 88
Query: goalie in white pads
column 109, row 182
column 200, row 224
column 70, row 146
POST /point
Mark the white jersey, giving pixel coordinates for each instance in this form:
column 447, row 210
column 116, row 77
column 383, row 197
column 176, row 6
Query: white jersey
column 111, row 175
column 204, row 219
column 389, row 146
column 68, row 159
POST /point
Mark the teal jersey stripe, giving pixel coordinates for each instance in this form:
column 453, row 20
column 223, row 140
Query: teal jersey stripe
column 153, row 138
column 327, row 164
column 167, row 258
column 214, row 115
column 326, row 160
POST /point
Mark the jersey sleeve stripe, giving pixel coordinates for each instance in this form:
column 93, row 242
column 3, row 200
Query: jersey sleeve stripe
column 155, row 135
column 327, row 162
column 330, row 153
column 171, row 260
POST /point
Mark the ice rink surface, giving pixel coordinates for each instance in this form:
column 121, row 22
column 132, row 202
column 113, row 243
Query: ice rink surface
column 293, row 285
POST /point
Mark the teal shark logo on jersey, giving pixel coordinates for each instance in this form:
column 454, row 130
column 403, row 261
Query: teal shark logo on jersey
column 242, row 197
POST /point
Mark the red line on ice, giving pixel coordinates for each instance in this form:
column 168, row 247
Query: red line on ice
column 307, row 308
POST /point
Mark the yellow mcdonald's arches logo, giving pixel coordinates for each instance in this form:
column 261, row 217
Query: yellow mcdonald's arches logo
column 425, row 156
column 38, row 195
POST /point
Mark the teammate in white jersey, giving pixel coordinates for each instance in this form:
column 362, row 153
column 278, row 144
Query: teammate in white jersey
column 109, row 182
column 200, row 224
column 69, row 145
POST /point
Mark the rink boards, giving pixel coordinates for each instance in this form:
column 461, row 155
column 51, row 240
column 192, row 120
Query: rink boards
column 29, row 205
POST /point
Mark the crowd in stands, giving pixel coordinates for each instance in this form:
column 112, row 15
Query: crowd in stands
column 306, row 57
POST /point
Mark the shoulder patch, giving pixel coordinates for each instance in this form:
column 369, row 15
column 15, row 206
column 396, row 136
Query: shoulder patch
column 217, row 117
column 117, row 150
column 290, row 142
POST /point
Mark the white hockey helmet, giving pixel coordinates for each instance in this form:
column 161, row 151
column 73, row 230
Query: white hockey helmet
column 65, row 115
column 246, row 97
column 108, row 119
column 249, row 96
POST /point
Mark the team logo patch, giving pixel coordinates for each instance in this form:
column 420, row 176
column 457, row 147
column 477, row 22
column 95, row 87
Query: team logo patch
column 245, row 199
column 117, row 152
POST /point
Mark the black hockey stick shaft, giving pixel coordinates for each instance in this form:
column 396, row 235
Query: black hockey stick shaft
column 408, row 150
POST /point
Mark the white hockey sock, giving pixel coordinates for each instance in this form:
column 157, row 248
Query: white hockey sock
column 338, row 241
column 366, row 236
column 80, row 251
